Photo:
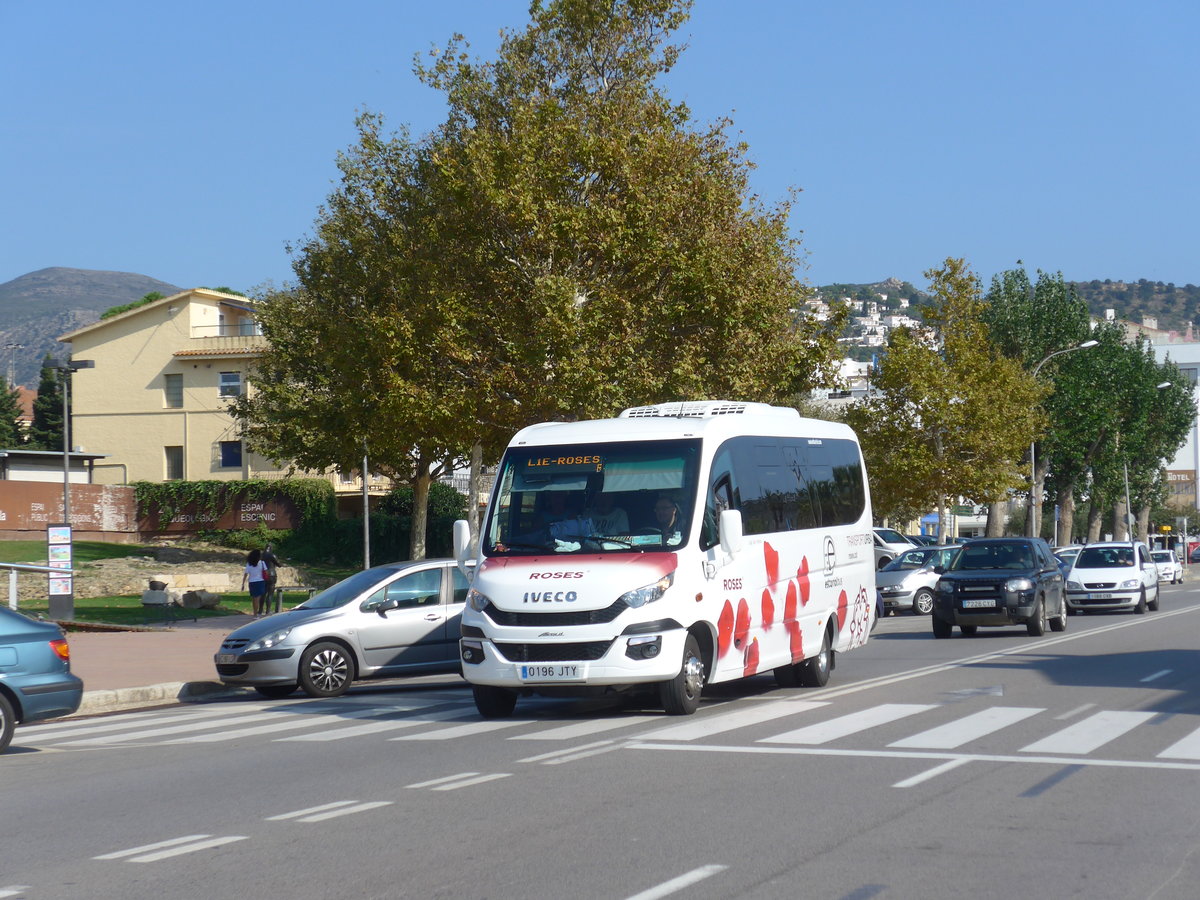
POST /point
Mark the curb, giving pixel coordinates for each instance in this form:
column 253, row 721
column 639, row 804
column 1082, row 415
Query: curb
column 168, row 693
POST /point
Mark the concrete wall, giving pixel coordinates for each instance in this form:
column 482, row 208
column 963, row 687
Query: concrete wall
column 98, row 512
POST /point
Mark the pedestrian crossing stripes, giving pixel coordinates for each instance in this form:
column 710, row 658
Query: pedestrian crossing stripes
column 920, row 729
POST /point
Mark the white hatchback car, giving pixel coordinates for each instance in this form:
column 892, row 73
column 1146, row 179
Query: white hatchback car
column 1113, row 576
column 1169, row 568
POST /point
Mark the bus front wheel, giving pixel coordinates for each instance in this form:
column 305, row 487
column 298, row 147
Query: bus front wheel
column 681, row 695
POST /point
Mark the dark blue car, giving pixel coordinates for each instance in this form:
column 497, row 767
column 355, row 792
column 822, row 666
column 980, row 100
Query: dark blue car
column 35, row 673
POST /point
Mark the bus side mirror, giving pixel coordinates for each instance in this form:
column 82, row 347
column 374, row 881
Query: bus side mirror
column 731, row 531
column 462, row 547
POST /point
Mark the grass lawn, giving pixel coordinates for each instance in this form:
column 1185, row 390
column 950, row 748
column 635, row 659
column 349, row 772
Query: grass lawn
column 128, row 610
column 34, row 552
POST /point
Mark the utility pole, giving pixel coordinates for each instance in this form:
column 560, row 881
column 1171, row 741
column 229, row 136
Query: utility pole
column 12, row 347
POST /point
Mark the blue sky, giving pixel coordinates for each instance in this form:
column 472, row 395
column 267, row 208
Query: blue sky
column 192, row 142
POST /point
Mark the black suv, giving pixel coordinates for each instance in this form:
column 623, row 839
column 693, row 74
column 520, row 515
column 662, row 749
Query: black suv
column 1000, row 581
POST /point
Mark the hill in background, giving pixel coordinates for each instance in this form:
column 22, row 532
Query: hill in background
column 36, row 308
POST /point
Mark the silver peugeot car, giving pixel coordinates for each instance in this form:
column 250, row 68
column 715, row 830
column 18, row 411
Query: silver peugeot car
column 907, row 582
column 389, row 620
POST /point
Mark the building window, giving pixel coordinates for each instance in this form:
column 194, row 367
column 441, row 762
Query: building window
column 231, row 454
column 174, row 461
column 173, row 391
column 1189, row 373
column 231, row 384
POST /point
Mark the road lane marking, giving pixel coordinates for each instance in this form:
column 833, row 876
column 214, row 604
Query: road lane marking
column 191, row 848
column 842, row 726
column 384, row 723
column 969, row 728
column 584, row 729
column 555, row 754
column 1093, row 732
column 931, row 773
column 707, row 726
column 446, row 734
column 678, row 884
column 1156, row 676
column 919, row 754
column 345, row 811
column 1036, row 648
column 478, row 779
column 290, row 724
column 312, row 809
column 13, row 890
column 446, row 779
column 173, row 847
column 1187, row 748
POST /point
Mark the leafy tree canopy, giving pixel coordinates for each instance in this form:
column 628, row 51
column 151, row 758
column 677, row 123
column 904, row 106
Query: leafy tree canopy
column 569, row 242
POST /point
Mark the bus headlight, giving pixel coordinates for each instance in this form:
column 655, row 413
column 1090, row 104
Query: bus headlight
column 649, row 593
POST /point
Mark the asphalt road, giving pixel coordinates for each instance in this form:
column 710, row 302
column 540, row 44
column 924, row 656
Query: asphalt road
column 994, row 766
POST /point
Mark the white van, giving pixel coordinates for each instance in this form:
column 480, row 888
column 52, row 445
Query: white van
column 674, row 546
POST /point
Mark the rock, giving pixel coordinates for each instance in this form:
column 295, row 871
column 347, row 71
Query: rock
column 201, row 600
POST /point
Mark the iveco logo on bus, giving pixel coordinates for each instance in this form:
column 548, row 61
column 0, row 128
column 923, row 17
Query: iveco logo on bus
column 533, row 575
column 550, row 597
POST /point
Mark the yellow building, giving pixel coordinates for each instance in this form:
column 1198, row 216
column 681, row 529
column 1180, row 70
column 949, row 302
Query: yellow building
column 156, row 401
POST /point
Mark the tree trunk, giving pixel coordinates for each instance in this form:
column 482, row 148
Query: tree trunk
column 997, row 513
column 1066, row 502
column 420, row 513
column 941, row 511
column 1143, row 525
column 1041, row 468
column 1120, row 527
column 1095, row 514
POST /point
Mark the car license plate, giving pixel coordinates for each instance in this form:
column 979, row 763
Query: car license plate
column 570, row 672
column 1100, row 596
column 226, row 657
column 972, row 604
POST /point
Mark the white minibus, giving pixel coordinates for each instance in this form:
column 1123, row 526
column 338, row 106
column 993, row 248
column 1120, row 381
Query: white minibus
column 674, row 546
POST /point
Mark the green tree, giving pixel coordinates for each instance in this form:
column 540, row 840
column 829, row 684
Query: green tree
column 1033, row 323
column 951, row 417
column 569, row 242
column 46, row 429
column 11, row 434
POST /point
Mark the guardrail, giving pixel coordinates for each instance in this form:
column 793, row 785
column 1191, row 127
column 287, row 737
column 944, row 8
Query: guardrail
column 15, row 568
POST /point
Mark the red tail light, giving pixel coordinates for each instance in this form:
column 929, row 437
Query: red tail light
column 60, row 647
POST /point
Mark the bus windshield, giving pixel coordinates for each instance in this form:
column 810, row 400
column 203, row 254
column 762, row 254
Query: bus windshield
column 593, row 498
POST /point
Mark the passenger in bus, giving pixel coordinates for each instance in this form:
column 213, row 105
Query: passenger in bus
column 606, row 516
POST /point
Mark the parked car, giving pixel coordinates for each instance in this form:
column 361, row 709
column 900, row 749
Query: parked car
column 1168, row 566
column 389, row 620
column 1066, row 556
column 889, row 543
column 922, row 540
column 907, row 582
column 36, row 681
column 1000, row 581
column 1113, row 576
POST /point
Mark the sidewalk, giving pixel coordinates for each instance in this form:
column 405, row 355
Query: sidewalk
column 131, row 669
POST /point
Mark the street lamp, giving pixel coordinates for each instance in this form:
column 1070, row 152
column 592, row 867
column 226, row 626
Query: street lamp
column 65, row 368
column 1033, row 503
